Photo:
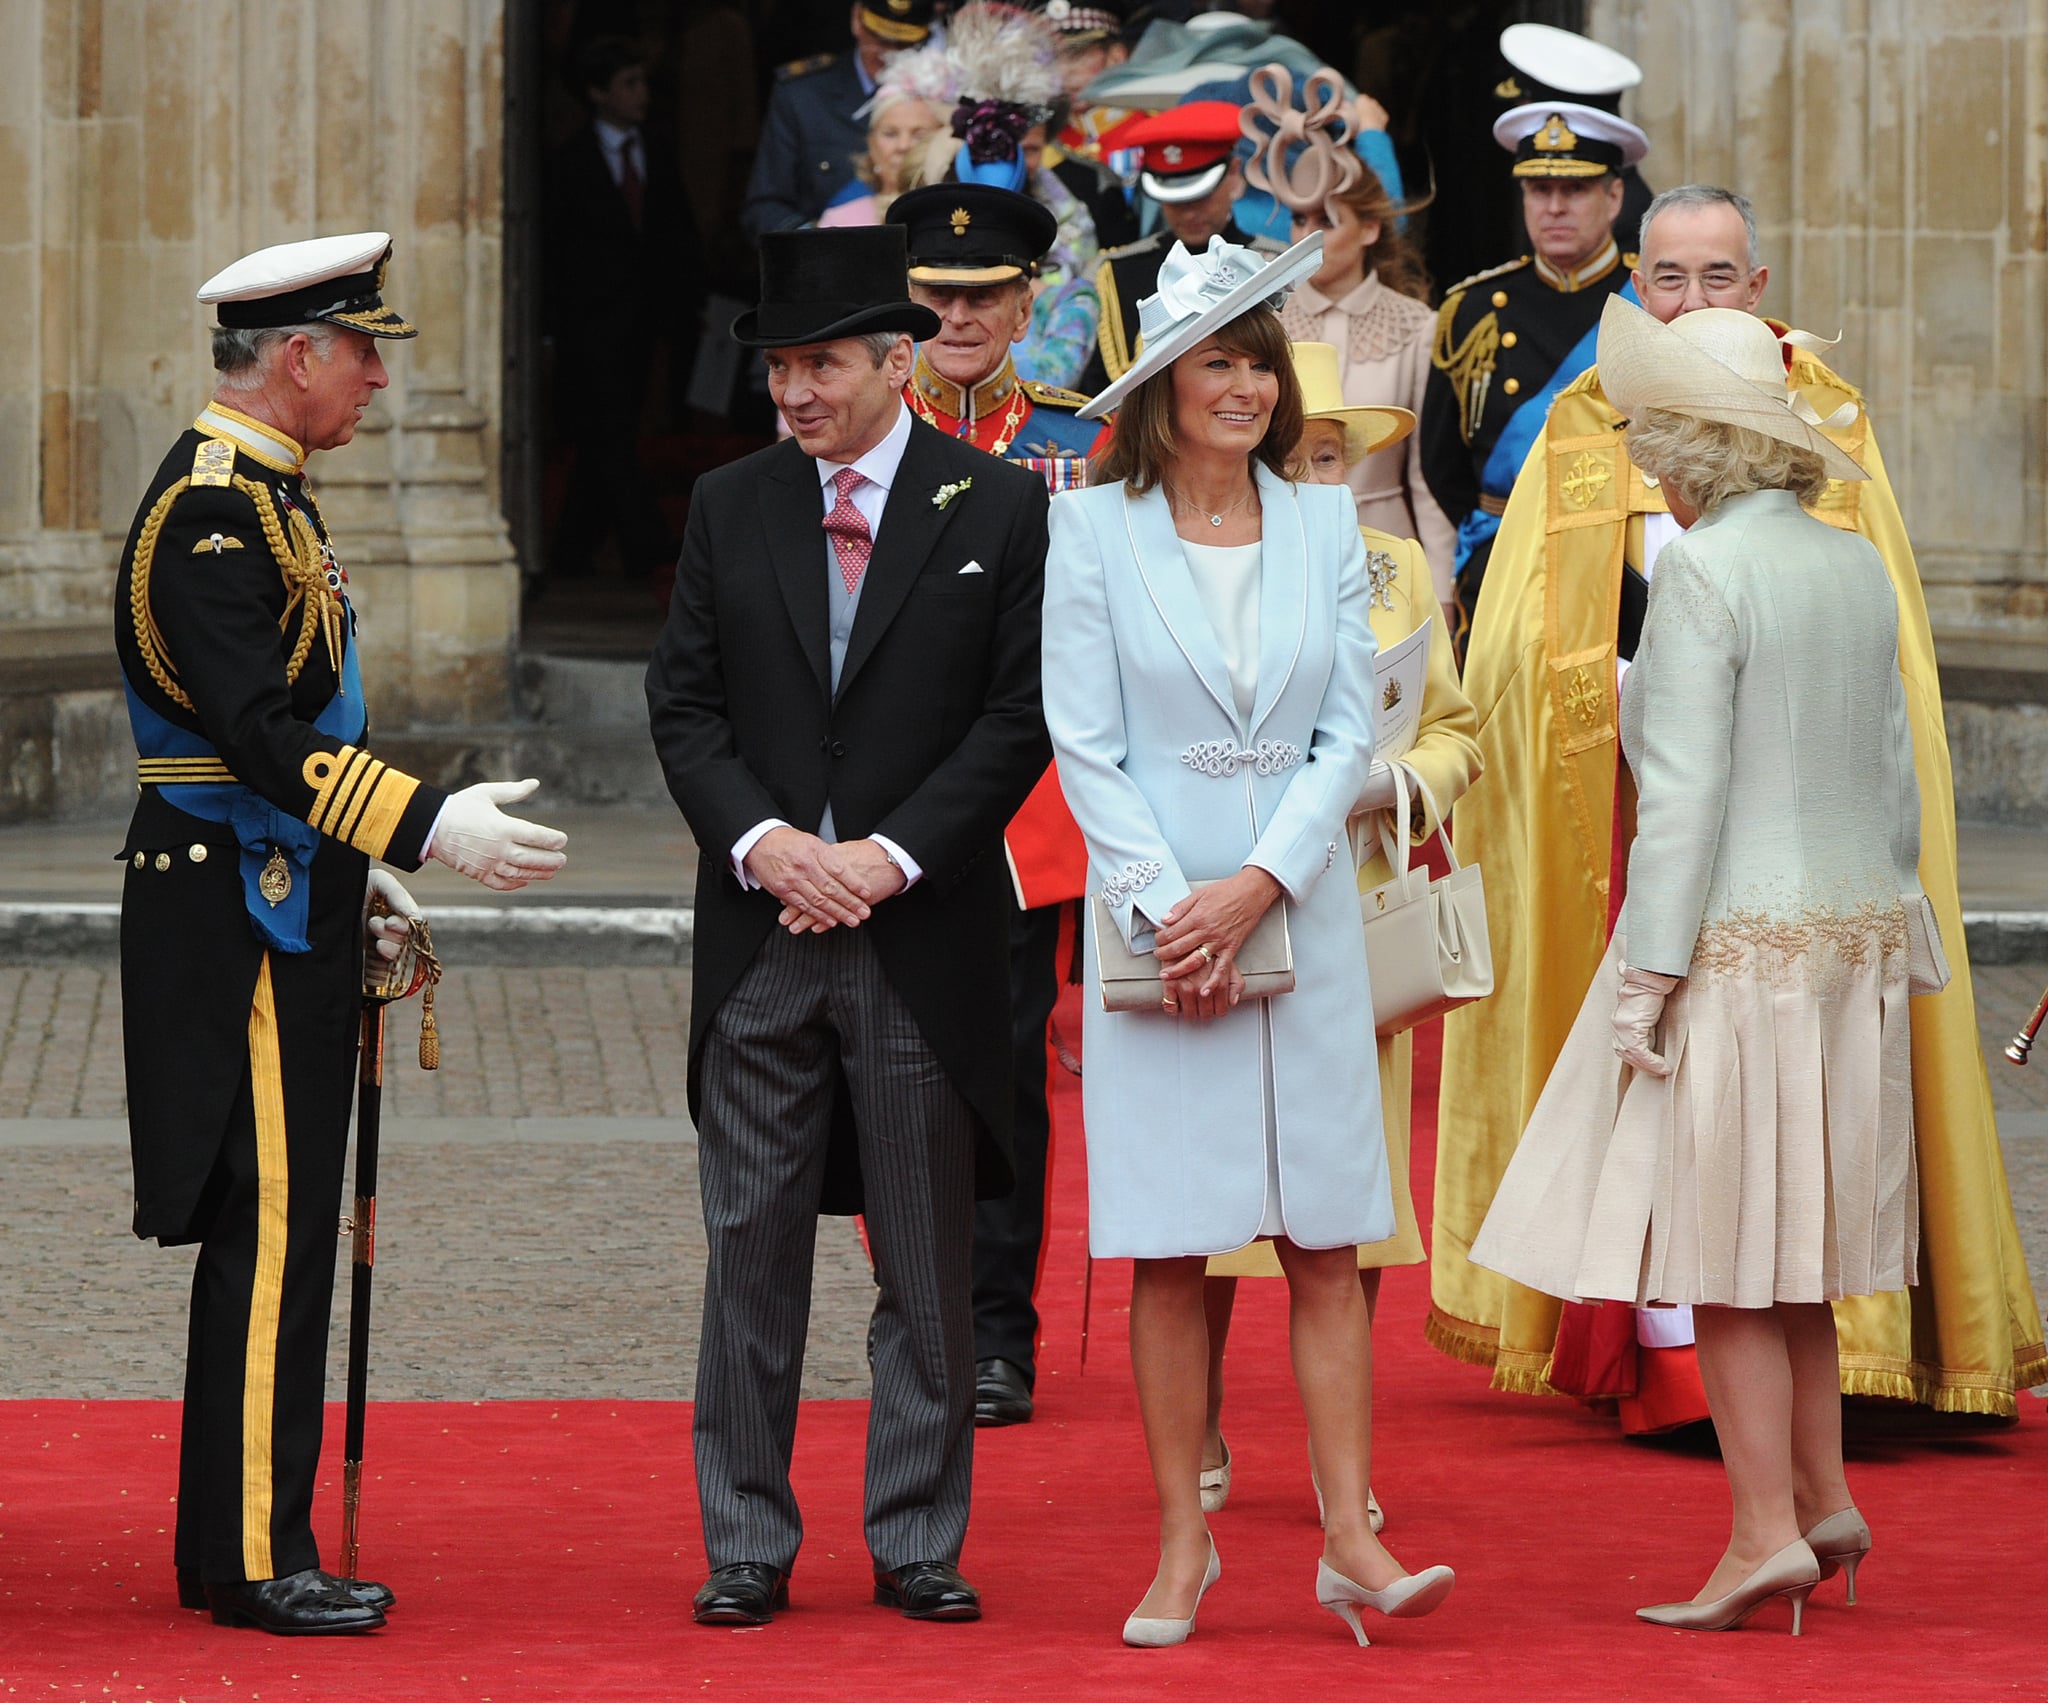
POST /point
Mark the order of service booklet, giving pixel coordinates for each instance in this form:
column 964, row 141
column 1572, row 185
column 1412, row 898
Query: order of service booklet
column 1398, row 673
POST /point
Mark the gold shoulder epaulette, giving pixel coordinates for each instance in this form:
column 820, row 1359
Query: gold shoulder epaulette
column 1141, row 246
column 1109, row 329
column 213, row 463
column 1051, row 395
column 1631, row 259
column 803, row 67
column 1499, row 271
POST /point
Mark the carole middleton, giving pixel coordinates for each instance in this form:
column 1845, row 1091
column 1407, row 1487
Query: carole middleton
column 1207, row 665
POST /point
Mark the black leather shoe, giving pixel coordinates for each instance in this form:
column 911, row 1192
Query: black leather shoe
column 192, row 1593
column 1002, row 1395
column 743, row 1593
column 928, row 1590
column 308, row 1603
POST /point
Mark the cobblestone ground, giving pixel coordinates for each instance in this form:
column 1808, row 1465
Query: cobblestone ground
column 538, row 1230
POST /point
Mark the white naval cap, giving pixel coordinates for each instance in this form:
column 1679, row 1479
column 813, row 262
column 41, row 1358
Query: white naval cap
column 1565, row 139
column 1571, row 64
column 336, row 279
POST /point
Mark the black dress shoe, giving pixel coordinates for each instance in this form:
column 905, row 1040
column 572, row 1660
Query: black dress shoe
column 308, row 1603
column 928, row 1590
column 192, row 1593
column 1002, row 1395
column 742, row 1593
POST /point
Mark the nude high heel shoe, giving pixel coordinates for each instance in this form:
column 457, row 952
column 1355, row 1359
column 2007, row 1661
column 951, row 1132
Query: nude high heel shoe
column 1407, row 1598
column 1161, row 1632
column 1792, row 1573
column 1215, row 1484
column 1839, row 1543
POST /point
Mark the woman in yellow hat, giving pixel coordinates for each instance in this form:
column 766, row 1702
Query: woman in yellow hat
column 1445, row 755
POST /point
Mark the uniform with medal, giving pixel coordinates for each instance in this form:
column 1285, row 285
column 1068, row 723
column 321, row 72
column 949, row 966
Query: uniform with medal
column 971, row 236
column 259, row 808
column 1510, row 338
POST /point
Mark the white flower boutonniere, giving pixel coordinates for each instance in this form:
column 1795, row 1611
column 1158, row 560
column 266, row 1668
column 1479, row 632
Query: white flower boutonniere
column 946, row 493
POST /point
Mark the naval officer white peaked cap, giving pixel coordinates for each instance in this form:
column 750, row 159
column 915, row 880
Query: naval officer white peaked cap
column 338, row 280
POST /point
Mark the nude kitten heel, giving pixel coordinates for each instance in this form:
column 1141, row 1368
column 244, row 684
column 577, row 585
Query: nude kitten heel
column 1839, row 1543
column 1791, row 1573
column 1407, row 1598
column 1162, row 1633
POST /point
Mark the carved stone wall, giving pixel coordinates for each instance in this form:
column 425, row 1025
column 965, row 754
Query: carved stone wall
column 146, row 143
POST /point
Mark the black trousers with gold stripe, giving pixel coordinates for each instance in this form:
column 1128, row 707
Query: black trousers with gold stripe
column 255, row 1377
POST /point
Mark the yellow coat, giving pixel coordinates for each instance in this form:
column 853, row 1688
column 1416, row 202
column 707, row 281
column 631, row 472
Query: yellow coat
column 1446, row 755
column 1541, row 674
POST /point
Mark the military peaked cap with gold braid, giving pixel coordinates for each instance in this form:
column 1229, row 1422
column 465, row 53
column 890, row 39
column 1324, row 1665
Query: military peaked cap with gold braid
column 335, row 280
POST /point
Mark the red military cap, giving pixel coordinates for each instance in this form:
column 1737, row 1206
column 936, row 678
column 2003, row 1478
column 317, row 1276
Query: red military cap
column 1187, row 148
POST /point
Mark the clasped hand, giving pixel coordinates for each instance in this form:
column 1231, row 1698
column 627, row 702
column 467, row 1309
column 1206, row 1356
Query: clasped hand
column 1199, row 939
column 822, row 885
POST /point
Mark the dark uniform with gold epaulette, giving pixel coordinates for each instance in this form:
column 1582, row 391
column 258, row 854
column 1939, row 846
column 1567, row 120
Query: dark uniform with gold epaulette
column 1507, row 340
column 259, row 809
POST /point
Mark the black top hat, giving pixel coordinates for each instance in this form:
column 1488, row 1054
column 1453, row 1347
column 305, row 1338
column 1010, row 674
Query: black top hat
column 840, row 282
column 972, row 233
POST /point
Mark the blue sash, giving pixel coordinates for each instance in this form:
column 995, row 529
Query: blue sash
column 258, row 824
column 1519, row 436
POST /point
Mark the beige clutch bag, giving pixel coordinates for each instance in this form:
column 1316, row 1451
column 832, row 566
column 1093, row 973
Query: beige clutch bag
column 1426, row 946
column 1130, row 980
column 1927, row 968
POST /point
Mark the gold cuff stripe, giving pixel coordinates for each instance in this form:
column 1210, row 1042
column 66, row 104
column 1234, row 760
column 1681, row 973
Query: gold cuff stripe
column 170, row 771
column 345, row 792
column 266, row 1298
column 364, row 793
column 320, row 772
column 380, row 820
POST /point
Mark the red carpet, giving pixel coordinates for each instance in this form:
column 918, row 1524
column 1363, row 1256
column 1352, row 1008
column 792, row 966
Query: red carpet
column 548, row 1550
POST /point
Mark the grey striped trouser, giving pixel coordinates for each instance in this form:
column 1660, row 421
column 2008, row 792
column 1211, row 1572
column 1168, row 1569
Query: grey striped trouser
column 806, row 1009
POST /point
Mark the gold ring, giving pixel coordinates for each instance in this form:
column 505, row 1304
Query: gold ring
column 1169, row 1004
column 1208, row 957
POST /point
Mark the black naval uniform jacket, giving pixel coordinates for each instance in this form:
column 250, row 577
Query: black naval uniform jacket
column 934, row 737
column 1124, row 279
column 808, row 142
column 1501, row 336
column 212, row 588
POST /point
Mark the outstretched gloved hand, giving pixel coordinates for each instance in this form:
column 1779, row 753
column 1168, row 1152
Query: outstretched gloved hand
column 1636, row 1016
column 477, row 839
column 387, row 933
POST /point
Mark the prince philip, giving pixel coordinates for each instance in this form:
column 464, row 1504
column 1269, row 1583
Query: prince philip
column 845, row 701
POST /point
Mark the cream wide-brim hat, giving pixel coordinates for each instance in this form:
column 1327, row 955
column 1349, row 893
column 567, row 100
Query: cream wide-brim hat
column 1198, row 293
column 1366, row 428
column 1715, row 363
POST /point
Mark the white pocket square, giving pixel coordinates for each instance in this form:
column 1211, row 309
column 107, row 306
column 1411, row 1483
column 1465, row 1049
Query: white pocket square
column 972, row 568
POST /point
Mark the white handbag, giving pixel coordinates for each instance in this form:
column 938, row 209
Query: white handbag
column 1426, row 944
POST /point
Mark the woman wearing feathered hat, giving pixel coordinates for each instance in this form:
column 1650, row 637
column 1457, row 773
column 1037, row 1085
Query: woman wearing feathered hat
column 1751, row 1154
column 1207, row 666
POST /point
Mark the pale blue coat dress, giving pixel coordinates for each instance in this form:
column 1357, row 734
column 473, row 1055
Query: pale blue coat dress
column 1189, row 1123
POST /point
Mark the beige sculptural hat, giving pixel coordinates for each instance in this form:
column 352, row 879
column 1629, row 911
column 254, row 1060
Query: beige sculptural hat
column 1713, row 364
column 1366, row 427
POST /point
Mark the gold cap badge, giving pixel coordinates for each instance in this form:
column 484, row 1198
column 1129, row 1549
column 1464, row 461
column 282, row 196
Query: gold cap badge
column 1555, row 137
column 961, row 220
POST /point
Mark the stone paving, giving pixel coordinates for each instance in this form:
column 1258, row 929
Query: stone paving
column 538, row 1230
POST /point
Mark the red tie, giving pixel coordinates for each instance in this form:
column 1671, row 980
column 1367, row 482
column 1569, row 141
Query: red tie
column 632, row 187
column 847, row 527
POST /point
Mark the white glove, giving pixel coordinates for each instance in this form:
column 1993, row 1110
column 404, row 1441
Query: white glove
column 475, row 838
column 388, row 933
column 1636, row 1015
column 1378, row 791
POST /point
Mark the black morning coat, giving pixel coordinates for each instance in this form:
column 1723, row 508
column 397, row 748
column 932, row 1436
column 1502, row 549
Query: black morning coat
column 934, row 738
column 227, row 609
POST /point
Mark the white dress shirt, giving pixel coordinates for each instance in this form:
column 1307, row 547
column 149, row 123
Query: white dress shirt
column 616, row 143
column 877, row 469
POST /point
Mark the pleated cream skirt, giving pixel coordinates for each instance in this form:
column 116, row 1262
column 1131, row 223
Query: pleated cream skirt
column 1774, row 1163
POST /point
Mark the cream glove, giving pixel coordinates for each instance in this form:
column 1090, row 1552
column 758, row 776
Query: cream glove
column 475, row 838
column 1636, row 1015
column 387, row 933
column 1378, row 791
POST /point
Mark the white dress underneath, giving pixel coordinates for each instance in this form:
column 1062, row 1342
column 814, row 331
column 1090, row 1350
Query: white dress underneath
column 1227, row 580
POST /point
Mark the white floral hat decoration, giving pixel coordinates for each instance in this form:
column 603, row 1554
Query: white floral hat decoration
column 1200, row 292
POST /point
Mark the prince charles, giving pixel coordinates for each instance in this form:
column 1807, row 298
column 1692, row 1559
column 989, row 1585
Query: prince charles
column 845, row 700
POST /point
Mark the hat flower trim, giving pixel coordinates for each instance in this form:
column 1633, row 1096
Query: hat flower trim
column 946, row 493
column 992, row 130
column 1191, row 283
column 1321, row 168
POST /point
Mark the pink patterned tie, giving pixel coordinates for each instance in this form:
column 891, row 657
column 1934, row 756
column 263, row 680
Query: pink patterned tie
column 852, row 543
